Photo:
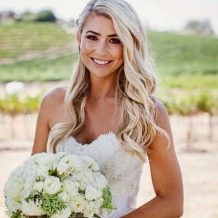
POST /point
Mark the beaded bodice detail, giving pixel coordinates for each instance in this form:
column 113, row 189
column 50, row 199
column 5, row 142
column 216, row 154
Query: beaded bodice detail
column 122, row 170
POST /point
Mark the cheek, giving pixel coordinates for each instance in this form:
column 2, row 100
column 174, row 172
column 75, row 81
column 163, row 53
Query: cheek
column 119, row 52
column 85, row 47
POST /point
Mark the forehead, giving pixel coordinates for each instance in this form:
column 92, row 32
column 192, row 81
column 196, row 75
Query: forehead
column 100, row 24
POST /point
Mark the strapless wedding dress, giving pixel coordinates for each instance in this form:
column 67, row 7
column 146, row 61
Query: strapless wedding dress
column 122, row 170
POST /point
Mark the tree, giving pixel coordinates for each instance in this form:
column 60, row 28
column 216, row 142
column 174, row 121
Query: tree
column 199, row 27
column 45, row 16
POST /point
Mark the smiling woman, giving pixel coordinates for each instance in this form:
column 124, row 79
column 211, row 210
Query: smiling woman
column 110, row 112
column 100, row 48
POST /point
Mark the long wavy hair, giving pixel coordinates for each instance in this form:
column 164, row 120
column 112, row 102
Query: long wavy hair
column 135, row 88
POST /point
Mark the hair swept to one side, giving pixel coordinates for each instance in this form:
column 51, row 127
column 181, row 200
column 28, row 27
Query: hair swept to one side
column 136, row 83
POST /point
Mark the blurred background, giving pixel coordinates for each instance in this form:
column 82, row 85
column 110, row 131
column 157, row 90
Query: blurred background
column 37, row 53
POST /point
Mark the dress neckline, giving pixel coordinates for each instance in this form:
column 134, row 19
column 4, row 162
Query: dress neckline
column 109, row 133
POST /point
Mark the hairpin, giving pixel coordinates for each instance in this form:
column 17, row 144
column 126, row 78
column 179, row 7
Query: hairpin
column 93, row 4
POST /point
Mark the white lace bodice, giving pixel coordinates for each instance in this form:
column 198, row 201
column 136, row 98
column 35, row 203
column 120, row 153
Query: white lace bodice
column 122, row 170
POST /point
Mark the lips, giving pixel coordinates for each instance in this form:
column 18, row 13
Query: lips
column 101, row 61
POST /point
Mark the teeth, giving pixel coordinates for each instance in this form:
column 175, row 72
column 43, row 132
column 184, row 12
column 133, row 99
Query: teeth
column 100, row 61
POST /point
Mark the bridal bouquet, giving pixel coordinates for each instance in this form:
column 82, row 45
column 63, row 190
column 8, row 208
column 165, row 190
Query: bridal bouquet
column 58, row 185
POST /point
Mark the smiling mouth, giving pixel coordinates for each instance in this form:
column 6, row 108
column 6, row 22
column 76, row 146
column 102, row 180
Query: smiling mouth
column 101, row 62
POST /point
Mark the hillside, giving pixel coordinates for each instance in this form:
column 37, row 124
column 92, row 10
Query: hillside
column 179, row 54
column 177, row 57
column 21, row 38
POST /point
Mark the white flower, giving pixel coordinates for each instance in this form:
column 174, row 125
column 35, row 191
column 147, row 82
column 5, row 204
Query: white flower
column 31, row 209
column 38, row 186
column 65, row 213
column 79, row 186
column 91, row 193
column 70, row 187
column 13, row 190
column 90, row 209
column 69, row 163
column 99, row 202
column 12, row 206
column 91, row 163
column 100, row 181
column 83, row 178
column 78, row 204
column 65, row 197
column 14, row 87
column 59, row 156
column 43, row 170
column 43, row 159
column 52, row 185
column 29, row 172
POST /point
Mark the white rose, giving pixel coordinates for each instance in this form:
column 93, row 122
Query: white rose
column 29, row 171
column 100, row 181
column 91, row 193
column 90, row 209
column 99, row 202
column 90, row 163
column 70, row 187
column 65, row 197
column 83, row 178
column 52, row 185
column 38, row 186
column 42, row 170
column 68, row 163
column 65, row 213
column 43, row 159
column 31, row 209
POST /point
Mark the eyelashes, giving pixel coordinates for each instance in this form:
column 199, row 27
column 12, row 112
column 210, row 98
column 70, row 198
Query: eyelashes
column 115, row 41
column 92, row 37
column 111, row 40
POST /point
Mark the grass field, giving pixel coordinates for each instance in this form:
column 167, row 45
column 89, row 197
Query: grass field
column 178, row 54
column 41, row 69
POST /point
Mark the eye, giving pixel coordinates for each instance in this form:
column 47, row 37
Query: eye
column 115, row 41
column 91, row 37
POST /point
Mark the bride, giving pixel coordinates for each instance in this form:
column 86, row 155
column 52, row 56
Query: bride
column 110, row 113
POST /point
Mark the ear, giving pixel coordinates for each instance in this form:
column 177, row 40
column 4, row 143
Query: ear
column 78, row 37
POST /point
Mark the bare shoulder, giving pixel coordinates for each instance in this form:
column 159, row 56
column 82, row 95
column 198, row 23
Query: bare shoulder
column 162, row 121
column 54, row 96
column 50, row 111
column 52, row 105
column 161, row 113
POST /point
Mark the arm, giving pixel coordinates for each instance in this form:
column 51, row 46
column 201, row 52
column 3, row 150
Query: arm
column 50, row 112
column 42, row 128
column 166, row 176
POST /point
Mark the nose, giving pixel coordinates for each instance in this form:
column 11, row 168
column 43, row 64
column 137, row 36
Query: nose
column 101, row 47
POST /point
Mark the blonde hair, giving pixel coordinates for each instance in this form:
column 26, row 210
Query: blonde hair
column 136, row 83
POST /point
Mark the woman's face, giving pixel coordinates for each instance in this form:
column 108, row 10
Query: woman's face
column 100, row 48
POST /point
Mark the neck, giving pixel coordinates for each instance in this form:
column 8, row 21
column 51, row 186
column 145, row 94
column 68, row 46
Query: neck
column 101, row 88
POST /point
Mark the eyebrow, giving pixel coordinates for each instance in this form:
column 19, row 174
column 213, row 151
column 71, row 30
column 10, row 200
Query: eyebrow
column 111, row 35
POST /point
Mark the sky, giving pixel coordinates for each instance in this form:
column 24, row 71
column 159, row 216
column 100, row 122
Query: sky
column 163, row 15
